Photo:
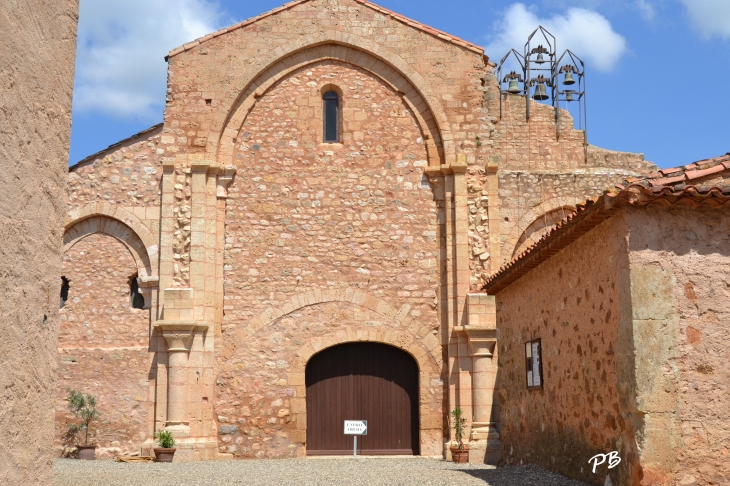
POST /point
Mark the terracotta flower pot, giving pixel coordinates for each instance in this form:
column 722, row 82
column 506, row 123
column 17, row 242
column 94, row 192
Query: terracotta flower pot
column 164, row 455
column 87, row 452
column 460, row 456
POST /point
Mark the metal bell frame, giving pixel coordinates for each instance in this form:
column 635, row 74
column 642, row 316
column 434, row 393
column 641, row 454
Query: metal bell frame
column 509, row 77
column 574, row 69
column 540, row 63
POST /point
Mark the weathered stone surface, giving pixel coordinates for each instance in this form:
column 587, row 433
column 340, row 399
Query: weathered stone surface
column 572, row 303
column 108, row 341
column 376, row 238
column 227, row 430
column 682, row 258
column 37, row 51
column 658, row 342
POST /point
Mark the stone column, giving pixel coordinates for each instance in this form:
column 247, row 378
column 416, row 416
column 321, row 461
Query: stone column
column 178, row 329
column 481, row 346
column 481, row 334
column 177, row 336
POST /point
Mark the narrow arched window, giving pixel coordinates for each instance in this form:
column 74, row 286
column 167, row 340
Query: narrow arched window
column 135, row 298
column 64, row 291
column 331, row 111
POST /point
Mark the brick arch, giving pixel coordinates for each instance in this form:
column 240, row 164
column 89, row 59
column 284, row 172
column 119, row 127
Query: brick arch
column 358, row 50
column 429, row 345
column 516, row 240
column 121, row 225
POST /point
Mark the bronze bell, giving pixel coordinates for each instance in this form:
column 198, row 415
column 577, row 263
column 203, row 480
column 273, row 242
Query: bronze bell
column 569, row 95
column 540, row 92
column 540, row 59
column 569, row 78
column 514, row 87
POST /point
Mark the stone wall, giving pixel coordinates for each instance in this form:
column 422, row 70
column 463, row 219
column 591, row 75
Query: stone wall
column 303, row 216
column 37, row 49
column 421, row 200
column 573, row 302
column 126, row 175
column 679, row 275
column 525, row 175
column 103, row 347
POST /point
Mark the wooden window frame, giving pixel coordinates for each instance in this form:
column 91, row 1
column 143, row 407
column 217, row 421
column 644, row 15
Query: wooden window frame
column 529, row 364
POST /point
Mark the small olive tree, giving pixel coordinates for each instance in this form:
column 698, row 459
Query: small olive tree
column 459, row 424
column 83, row 407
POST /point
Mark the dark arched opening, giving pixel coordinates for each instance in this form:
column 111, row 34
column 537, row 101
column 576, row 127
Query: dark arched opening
column 136, row 299
column 362, row 381
column 65, row 286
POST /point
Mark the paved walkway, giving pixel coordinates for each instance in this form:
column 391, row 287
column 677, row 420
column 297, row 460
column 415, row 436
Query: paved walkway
column 301, row 472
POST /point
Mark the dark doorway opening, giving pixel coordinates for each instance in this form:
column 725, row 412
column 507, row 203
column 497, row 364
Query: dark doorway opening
column 362, row 381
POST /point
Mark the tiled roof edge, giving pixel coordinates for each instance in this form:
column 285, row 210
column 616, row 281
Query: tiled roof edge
column 116, row 145
column 367, row 3
column 566, row 231
column 593, row 212
column 683, row 174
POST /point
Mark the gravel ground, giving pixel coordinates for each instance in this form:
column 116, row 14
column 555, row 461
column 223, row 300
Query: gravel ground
column 411, row 471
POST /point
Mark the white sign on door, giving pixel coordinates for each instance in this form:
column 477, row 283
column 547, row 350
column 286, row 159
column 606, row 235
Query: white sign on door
column 356, row 427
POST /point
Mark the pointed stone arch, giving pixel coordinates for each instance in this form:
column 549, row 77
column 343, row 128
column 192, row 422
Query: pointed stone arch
column 332, row 44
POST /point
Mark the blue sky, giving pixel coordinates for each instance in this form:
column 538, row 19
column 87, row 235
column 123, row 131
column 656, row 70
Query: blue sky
column 657, row 70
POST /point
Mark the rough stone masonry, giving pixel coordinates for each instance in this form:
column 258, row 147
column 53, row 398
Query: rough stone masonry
column 257, row 245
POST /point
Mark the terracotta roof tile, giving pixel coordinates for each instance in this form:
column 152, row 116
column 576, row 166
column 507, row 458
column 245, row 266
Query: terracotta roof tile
column 367, row 3
column 637, row 192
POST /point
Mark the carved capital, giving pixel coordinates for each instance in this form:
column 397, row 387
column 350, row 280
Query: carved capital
column 481, row 341
column 225, row 178
column 178, row 334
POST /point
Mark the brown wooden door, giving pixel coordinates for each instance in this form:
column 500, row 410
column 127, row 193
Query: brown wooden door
column 362, row 381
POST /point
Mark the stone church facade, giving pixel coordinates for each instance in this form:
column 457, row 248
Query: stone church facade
column 211, row 257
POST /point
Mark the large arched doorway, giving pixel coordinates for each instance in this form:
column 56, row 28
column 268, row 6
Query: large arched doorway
column 362, row 381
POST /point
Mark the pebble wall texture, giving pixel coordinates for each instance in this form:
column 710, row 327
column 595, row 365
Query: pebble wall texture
column 376, row 238
column 572, row 302
column 306, row 215
column 103, row 346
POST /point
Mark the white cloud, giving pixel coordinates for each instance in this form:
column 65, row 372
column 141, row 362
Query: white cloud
column 585, row 32
column 646, row 9
column 120, row 66
column 710, row 17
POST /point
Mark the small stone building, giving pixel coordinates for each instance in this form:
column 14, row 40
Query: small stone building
column 613, row 335
column 331, row 180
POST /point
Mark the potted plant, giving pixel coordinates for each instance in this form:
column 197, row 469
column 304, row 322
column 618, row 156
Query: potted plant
column 83, row 407
column 460, row 452
column 165, row 452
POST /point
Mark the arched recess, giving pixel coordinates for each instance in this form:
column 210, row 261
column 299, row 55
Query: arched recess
column 330, row 44
column 120, row 224
column 428, row 345
column 429, row 371
column 370, row 381
column 539, row 227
